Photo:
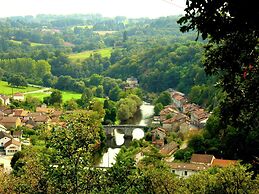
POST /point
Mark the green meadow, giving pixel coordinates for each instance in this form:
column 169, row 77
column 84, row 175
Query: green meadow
column 106, row 52
column 66, row 95
column 8, row 90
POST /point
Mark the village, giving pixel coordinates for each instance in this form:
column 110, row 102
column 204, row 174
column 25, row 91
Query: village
column 180, row 117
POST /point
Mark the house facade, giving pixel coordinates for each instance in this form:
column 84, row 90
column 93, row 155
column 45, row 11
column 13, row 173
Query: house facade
column 18, row 96
column 186, row 169
column 10, row 122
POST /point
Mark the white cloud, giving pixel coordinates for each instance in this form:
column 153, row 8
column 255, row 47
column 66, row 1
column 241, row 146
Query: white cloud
column 129, row 8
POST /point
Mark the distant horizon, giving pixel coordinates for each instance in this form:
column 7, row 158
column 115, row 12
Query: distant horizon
column 131, row 9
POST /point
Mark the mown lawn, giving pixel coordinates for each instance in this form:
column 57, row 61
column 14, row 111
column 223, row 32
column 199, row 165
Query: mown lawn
column 8, row 90
column 106, row 52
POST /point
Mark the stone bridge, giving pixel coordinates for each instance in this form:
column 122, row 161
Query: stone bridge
column 125, row 129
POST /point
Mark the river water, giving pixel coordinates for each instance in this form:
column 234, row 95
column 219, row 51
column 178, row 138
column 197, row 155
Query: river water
column 140, row 118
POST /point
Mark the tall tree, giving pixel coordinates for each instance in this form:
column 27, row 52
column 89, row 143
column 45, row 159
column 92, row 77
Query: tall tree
column 231, row 54
column 73, row 148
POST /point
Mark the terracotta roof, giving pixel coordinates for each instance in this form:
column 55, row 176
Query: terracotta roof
column 175, row 118
column 20, row 113
column 18, row 94
column 56, row 113
column 223, row 163
column 200, row 113
column 41, row 118
column 44, row 110
column 9, row 120
column 159, row 129
column 12, row 141
column 187, row 166
column 169, row 148
column 202, row 158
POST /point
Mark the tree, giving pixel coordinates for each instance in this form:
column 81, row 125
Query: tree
column 54, row 98
column 73, row 149
column 158, row 107
column 232, row 55
column 164, row 98
column 99, row 91
column 17, row 80
column 114, row 93
column 86, row 97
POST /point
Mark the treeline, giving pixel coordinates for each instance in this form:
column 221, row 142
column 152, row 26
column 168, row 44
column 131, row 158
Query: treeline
column 33, row 70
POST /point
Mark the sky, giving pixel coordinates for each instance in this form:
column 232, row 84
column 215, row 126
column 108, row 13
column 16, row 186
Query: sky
column 108, row 8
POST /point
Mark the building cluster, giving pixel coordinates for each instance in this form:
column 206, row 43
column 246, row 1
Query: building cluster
column 11, row 119
column 198, row 163
column 5, row 100
column 180, row 116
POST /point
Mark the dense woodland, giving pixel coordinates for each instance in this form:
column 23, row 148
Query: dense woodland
column 219, row 73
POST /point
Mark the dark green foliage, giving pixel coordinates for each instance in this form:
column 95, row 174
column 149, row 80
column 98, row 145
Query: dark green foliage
column 184, row 154
column 232, row 55
column 54, row 99
column 164, row 98
column 17, row 80
column 114, row 93
column 158, row 107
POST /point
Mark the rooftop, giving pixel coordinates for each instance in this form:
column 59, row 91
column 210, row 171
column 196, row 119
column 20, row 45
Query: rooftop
column 187, row 166
column 202, row 158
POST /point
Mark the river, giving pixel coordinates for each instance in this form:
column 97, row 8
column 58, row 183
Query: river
column 140, row 118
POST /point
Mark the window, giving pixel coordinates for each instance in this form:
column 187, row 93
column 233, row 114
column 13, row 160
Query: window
column 173, row 171
column 185, row 173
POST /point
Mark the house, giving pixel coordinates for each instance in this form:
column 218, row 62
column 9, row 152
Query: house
column 20, row 113
column 199, row 118
column 168, row 111
column 132, row 82
column 5, row 100
column 158, row 142
column 178, row 99
column 10, row 122
column 158, row 132
column 223, row 163
column 4, row 138
column 12, row 146
column 19, row 96
column 174, row 123
column 169, row 149
column 42, row 119
column 189, row 108
column 44, row 110
column 186, row 169
column 202, row 159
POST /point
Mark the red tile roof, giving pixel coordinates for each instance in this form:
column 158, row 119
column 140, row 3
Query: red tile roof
column 169, row 148
column 223, row 163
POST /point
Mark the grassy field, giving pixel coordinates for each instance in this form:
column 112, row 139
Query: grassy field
column 86, row 54
column 32, row 43
column 7, row 90
column 66, row 95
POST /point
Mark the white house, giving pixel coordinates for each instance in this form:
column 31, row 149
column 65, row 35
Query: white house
column 4, row 138
column 18, row 96
column 12, row 146
column 186, row 169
